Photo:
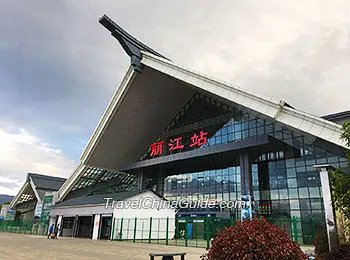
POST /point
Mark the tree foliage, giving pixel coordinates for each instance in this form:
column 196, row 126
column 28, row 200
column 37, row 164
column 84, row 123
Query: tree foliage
column 346, row 138
column 341, row 184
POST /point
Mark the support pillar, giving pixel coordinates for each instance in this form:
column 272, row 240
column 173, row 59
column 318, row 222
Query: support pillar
column 59, row 225
column 160, row 183
column 328, row 206
column 96, row 226
column 140, row 180
column 247, row 211
column 246, row 174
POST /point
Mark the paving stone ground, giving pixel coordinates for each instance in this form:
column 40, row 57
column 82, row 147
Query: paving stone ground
column 27, row 247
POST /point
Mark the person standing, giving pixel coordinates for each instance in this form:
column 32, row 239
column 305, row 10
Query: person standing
column 51, row 230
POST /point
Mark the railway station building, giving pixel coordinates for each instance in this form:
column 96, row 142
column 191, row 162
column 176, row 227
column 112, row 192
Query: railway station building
column 184, row 134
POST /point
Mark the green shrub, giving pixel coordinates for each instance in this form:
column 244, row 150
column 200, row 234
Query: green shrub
column 254, row 240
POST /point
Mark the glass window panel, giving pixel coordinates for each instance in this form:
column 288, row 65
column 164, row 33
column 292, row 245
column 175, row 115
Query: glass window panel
column 260, row 122
column 293, row 193
column 245, row 126
column 238, row 135
column 273, row 183
column 252, row 132
column 281, row 165
column 292, row 183
column 282, row 183
column 301, row 169
column 305, row 204
column 314, row 192
column 316, row 204
column 295, row 213
column 303, row 193
column 238, row 127
column 318, row 214
column 231, row 137
column 283, row 194
column 290, row 163
column 310, row 162
column 269, row 129
column 301, row 181
column 245, row 134
column 261, row 130
column 265, row 195
column 278, row 135
column 274, row 194
column 294, row 204
column 224, row 139
column 321, row 160
column 291, row 172
column 230, row 129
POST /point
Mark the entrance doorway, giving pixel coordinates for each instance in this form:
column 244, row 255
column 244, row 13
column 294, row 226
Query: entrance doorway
column 67, row 226
column 106, row 227
column 84, row 227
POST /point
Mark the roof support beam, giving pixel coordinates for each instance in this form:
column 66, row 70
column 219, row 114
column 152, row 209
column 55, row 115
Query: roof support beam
column 131, row 45
column 34, row 189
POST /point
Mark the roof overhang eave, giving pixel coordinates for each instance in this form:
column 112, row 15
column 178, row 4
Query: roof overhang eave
column 19, row 194
column 108, row 114
column 278, row 110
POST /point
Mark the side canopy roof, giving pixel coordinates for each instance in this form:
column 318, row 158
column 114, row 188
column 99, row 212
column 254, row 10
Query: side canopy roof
column 150, row 95
column 35, row 187
column 98, row 199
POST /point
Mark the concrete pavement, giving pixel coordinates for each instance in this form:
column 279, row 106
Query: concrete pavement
column 27, row 247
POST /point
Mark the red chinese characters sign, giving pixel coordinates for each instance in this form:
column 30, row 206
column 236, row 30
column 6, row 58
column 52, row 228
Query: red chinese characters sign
column 157, row 148
column 197, row 140
column 174, row 144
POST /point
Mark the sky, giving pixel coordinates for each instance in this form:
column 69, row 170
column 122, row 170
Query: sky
column 59, row 67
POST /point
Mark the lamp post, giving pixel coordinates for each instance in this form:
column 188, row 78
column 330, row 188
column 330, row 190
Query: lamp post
column 328, row 205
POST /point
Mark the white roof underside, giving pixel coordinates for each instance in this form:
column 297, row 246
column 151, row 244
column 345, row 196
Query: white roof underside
column 145, row 103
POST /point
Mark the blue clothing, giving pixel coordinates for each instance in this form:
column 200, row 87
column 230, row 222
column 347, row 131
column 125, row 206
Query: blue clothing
column 51, row 229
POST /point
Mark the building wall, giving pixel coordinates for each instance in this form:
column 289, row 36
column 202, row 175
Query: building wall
column 28, row 215
column 125, row 220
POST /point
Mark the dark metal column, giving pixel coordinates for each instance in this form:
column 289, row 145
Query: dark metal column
column 246, row 174
column 140, row 185
column 160, row 183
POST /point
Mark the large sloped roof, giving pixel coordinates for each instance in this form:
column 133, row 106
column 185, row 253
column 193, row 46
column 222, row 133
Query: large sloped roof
column 150, row 95
column 35, row 187
column 144, row 106
column 339, row 117
column 46, row 182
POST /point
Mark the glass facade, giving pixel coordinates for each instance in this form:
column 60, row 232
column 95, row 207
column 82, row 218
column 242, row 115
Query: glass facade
column 284, row 182
column 219, row 184
column 93, row 176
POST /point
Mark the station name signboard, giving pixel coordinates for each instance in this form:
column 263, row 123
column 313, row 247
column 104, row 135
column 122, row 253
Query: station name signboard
column 45, row 212
column 197, row 140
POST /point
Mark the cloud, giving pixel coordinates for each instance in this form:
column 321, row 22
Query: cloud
column 59, row 66
column 21, row 153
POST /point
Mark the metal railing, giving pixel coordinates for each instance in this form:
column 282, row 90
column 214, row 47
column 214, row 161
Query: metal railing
column 199, row 231
column 23, row 227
